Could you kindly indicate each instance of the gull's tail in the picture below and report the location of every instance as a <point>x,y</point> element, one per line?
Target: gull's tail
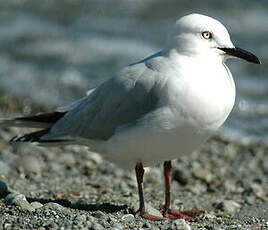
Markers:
<point>43,121</point>
<point>38,121</point>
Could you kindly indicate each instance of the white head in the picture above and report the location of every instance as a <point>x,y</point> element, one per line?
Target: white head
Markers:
<point>197,34</point>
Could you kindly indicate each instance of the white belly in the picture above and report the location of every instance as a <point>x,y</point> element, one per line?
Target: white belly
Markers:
<point>152,144</point>
<point>194,109</point>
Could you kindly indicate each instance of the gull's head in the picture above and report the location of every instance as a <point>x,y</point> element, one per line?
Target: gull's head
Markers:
<point>197,34</point>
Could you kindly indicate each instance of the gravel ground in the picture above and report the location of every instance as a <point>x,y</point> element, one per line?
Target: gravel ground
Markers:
<point>72,188</point>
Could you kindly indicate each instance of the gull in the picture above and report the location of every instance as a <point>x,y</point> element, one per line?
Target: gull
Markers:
<point>154,110</point>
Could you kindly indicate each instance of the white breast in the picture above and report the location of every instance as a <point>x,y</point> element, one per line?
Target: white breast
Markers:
<point>204,94</point>
<point>192,108</point>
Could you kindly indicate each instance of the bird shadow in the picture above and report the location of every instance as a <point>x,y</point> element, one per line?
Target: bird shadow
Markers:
<point>104,207</point>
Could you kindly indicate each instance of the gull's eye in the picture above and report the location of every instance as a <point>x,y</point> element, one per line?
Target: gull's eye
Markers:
<point>206,34</point>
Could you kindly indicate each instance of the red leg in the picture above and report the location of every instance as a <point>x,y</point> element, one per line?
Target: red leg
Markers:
<point>167,212</point>
<point>167,174</point>
<point>139,175</point>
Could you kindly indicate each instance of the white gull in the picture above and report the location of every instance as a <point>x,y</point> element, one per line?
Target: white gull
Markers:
<point>154,110</point>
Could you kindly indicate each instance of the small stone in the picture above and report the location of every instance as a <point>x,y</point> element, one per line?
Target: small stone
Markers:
<point>198,188</point>
<point>258,190</point>
<point>147,225</point>
<point>180,224</point>
<point>13,198</point>
<point>29,164</point>
<point>52,205</point>
<point>55,166</point>
<point>91,219</point>
<point>67,158</point>
<point>36,205</point>
<point>149,209</point>
<point>3,189</point>
<point>100,215</point>
<point>46,222</point>
<point>117,226</point>
<point>19,200</point>
<point>25,205</point>
<point>209,216</point>
<point>53,226</point>
<point>89,225</point>
<point>204,175</point>
<point>96,157</point>
<point>229,206</point>
<point>230,186</point>
<point>128,217</point>
<point>250,200</point>
<point>97,226</point>
<point>4,168</point>
<point>218,227</point>
<point>7,226</point>
<point>80,219</point>
<point>41,228</point>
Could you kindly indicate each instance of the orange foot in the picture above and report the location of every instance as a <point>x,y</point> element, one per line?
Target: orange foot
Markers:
<point>152,217</point>
<point>188,215</point>
<point>148,216</point>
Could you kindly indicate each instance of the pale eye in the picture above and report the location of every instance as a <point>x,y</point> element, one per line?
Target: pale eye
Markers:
<point>206,34</point>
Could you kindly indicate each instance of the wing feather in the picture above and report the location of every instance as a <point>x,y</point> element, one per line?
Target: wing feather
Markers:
<point>121,100</point>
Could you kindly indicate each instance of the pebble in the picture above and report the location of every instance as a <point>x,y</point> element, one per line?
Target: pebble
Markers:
<point>217,227</point>
<point>97,226</point>
<point>80,219</point>
<point>89,225</point>
<point>96,157</point>
<point>117,226</point>
<point>55,166</point>
<point>128,217</point>
<point>148,209</point>
<point>100,215</point>
<point>147,225</point>
<point>46,223</point>
<point>230,186</point>
<point>12,198</point>
<point>250,200</point>
<point>25,205</point>
<point>52,205</point>
<point>53,226</point>
<point>36,205</point>
<point>180,224</point>
<point>19,200</point>
<point>204,175</point>
<point>3,189</point>
<point>4,168</point>
<point>67,158</point>
<point>29,164</point>
<point>209,216</point>
<point>258,190</point>
<point>91,219</point>
<point>41,228</point>
<point>229,206</point>
<point>153,211</point>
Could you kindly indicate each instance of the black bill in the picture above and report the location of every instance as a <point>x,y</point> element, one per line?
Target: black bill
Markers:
<point>240,53</point>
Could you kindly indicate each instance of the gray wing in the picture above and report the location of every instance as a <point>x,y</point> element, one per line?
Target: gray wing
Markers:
<point>123,99</point>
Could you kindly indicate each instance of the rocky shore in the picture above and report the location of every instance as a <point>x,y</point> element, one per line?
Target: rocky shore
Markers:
<point>72,188</point>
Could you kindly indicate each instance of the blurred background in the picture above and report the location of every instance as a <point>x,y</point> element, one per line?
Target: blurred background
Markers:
<point>51,52</point>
